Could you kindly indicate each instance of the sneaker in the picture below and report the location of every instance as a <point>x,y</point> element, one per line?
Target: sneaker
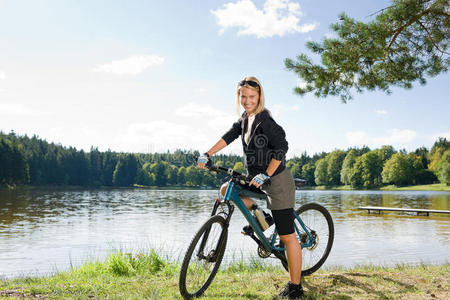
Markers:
<point>290,291</point>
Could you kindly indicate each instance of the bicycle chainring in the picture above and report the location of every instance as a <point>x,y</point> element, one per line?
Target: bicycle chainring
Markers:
<point>262,251</point>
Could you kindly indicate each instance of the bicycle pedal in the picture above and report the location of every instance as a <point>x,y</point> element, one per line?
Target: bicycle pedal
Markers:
<point>247,230</point>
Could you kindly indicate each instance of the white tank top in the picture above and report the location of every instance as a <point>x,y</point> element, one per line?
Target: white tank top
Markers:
<point>251,118</point>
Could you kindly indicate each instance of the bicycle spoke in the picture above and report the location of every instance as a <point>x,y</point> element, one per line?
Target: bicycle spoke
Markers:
<point>319,224</point>
<point>203,257</point>
<point>200,268</point>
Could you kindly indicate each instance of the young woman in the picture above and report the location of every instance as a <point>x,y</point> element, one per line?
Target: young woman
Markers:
<point>265,148</point>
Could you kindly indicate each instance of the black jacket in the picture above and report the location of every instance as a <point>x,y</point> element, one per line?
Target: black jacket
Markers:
<point>267,141</point>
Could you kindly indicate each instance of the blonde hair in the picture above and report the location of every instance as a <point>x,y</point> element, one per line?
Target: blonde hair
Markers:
<point>259,89</point>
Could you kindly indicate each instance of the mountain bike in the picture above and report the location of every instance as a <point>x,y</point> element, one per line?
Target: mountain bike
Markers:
<point>313,225</point>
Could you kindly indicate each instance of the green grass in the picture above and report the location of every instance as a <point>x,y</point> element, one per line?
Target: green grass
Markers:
<point>425,187</point>
<point>148,276</point>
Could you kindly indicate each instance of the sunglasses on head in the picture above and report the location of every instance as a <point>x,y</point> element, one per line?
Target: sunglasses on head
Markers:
<point>249,82</point>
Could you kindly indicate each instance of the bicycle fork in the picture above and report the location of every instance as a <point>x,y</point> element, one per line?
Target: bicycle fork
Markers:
<point>211,257</point>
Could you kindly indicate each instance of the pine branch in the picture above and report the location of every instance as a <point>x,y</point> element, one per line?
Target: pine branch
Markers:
<point>411,21</point>
<point>380,11</point>
<point>431,39</point>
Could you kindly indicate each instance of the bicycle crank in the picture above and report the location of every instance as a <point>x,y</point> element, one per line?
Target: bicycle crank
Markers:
<point>262,251</point>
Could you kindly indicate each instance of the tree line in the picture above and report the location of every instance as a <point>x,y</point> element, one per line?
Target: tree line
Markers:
<point>363,167</point>
<point>34,161</point>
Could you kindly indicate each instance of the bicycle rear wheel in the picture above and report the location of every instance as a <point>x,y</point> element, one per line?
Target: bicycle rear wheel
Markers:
<point>320,224</point>
<point>203,257</point>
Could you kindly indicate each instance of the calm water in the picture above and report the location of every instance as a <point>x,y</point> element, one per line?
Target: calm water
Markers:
<point>46,230</point>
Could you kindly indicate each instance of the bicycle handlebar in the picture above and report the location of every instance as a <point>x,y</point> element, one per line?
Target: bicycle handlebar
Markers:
<point>229,171</point>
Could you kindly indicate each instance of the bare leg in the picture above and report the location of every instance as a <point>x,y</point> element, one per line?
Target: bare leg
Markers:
<point>294,256</point>
<point>247,200</point>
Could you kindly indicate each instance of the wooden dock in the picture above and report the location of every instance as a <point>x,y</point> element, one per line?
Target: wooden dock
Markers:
<point>425,212</point>
<point>299,182</point>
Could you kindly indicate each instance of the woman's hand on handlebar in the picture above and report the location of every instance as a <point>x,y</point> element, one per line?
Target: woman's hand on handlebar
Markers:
<point>203,160</point>
<point>259,180</point>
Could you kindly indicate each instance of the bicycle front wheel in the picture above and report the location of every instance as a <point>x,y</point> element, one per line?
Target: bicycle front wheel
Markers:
<point>203,257</point>
<point>318,221</point>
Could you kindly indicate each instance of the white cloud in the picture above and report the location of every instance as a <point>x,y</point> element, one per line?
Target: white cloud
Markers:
<point>18,109</point>
<point>158,136</point>
<point>2,90</point>
<point>2,75</point>
<point>277,109</point>
<point>436,136</point>
<point>211,123</point>
<point>278,17</point>
<point>357,138</point>
<point>135,64</point>
<point>381,112</point>
<point>295,107</point>
<point>214,118</point>
<point>200,91</point>
<point>301,83</point>
<point>193,109</point>
<point>308,27</point>
<point>394,137</point>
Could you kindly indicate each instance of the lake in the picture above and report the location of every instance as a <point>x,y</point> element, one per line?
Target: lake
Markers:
<point>43,231</point>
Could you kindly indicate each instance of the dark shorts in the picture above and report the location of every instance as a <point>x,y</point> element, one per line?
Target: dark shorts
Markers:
<point>284,220</point>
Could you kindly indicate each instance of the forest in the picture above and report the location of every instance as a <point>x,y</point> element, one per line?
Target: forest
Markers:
<point>36,162</point>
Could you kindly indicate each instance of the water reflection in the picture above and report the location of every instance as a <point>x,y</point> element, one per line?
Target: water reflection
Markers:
<point>44,230</point>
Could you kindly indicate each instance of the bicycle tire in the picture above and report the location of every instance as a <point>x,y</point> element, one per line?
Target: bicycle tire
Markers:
<point>214,228</point>
<point>314,257</point>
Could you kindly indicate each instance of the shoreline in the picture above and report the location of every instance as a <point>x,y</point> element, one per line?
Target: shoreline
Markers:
<point>437,187</point>
<point>76,187</point>
<point>428,187</point>
<point>148,276</point>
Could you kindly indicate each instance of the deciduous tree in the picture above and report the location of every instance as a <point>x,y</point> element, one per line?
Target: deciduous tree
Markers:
<point>335,160</point>
<point>347,166</point>
<point>320,174</point>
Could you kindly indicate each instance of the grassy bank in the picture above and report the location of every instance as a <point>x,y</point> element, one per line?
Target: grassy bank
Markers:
<point>150,277</point>
<point>426,187</point>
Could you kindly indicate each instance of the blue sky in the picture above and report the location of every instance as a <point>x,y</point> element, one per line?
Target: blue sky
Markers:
<point>147,76</point>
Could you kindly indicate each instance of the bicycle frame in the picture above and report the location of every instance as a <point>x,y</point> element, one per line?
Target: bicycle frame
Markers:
<point>232,193</point>
<point>207,253</point>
